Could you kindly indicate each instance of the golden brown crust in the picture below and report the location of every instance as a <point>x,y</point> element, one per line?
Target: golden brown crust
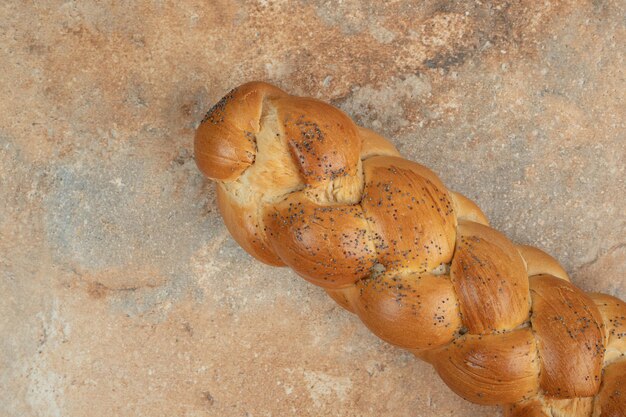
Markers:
<point>567,325</point>
<point>538,262</point>
<point>531,408</point>
<point>613,312</point>
<point>541,406</point>
<point>224,142</point>
<point>328,245</point>
<point>611,400</point>
<point>410,214</point>
<point>490,279</point>
<point>243,223</point>
<point>375,145</point>
<point>273,173</point>
<point>323,141</point>
<point>300,184</point>
<point>410,311</point>
<point>466,209</point>
<point>491,369</point>
<point>343,296</point>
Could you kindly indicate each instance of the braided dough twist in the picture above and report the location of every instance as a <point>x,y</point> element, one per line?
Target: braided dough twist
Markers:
<point>299,184</point>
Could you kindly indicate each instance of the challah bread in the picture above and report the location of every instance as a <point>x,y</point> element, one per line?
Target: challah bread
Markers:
<point>299,184</point>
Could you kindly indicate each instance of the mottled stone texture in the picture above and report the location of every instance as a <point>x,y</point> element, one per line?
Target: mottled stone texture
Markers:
<point>121,292</point>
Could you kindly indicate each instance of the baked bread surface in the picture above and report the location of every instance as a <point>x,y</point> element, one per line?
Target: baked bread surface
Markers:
<point>299,184</point>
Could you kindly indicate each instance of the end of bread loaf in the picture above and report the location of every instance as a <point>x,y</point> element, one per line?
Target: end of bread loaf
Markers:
<point>225,142</point>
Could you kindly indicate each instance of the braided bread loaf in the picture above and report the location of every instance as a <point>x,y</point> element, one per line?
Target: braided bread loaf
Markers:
<point>299,184</point>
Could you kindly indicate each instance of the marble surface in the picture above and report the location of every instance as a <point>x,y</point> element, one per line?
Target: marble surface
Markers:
<point>121,292</point>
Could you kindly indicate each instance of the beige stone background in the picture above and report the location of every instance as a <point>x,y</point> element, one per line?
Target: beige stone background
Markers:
<point>121,292</point>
